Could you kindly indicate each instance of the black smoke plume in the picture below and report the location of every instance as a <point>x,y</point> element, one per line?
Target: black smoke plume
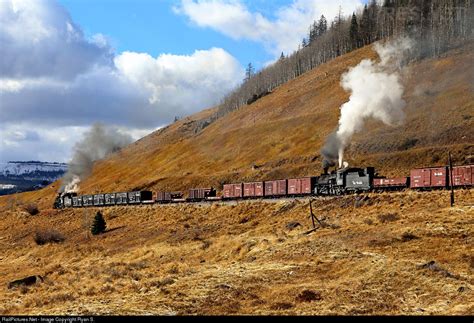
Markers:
<point>96,144</point>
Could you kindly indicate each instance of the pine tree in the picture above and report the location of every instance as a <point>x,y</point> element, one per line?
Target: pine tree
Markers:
<point>99,224</point>
<point>364,27</point>
<point>322,25</point>
<point>313,32</point>
<point>249,71</point>
<point>354,32</point>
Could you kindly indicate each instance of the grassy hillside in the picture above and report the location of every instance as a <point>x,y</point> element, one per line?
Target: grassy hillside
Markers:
<point>389,253</point>
<point>372,257</point>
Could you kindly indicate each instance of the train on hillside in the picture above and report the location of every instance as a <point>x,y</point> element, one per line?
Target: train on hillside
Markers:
<point>342,181</point>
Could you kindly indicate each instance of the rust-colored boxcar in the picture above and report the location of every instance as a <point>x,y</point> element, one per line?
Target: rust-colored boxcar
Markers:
<point>196,194</point>
<point>433,177</point>
<point>276,188</point>
<point>233,191</point>
<point>463,175</point>
<point>164,197</point>
<point>301,186</point>
<point>254,189</point>
<point>399,182</point>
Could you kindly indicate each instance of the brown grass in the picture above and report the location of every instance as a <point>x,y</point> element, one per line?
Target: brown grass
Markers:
<point>242,258</point>
<point>153,266</point>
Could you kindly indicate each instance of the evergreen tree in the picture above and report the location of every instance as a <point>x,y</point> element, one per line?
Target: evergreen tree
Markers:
<point>354,32</point>
<point>322,25</point>
<point>249,71</point>
<point>364,28</point>
<point>313,32</point>
<point>99,224</point>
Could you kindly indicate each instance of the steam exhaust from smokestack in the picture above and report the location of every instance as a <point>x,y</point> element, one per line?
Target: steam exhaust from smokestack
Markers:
<point>96,144</point>
<point>376,92</point>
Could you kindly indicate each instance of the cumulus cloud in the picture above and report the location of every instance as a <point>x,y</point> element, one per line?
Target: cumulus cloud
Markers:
<point>51,75</point>
<point>281,34</point>
<point>39,39</point>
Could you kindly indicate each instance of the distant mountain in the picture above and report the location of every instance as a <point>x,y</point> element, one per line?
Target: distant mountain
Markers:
<point>21,176</point>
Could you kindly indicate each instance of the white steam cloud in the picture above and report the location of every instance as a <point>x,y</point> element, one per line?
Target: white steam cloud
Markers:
<point>376,92</point>
<point>96,144</point>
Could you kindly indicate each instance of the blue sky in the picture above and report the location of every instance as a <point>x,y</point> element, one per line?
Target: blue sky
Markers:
<point>152,27</point>
<point>134,65</point>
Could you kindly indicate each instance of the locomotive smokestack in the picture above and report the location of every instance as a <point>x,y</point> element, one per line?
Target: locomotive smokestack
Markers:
<point>97,143</point>
<point>376,92</point>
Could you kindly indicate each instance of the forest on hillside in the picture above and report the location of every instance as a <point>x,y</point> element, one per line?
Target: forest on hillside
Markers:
<point>435,25</point>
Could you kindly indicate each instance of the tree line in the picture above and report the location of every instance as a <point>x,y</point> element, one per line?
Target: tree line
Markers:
<point>436,25</point>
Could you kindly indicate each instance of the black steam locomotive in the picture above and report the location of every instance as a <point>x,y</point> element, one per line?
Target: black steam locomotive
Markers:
<point>346,180</point>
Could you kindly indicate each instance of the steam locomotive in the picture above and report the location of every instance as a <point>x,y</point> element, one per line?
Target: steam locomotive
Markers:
<point>341,181</point>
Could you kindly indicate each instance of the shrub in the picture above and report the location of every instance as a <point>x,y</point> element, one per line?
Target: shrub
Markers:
<point>408,236</point>
<point>388,217</point>
<point>45,236</point>
<point>31,208</point>
<point>99,225</point>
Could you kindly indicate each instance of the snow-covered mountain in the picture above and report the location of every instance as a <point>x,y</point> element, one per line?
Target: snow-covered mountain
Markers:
<point>32,168</point>
<point>19,176</point>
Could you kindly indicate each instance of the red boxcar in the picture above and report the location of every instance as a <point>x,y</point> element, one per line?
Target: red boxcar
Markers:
<point>233,190</point>
<point>275,188</point>
<point>429,177</point>
<point>463,175</point>
<point>201,193</point>
<point>254,189</point>
<point>399,182</point>
<point>301,186</point>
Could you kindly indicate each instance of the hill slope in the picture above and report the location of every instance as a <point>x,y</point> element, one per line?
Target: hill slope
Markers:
<point>389,253</point>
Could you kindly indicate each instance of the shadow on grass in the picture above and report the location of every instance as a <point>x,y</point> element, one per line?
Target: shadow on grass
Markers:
<point>113,229</point>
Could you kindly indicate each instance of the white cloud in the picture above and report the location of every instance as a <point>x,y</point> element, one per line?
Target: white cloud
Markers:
<point>51,76</point>
<point>284,33</point>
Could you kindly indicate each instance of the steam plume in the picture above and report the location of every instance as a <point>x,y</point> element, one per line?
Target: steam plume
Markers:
<point>97,143</point>
<point>376,92</point>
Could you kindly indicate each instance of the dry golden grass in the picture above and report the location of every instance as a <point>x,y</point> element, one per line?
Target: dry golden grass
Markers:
<point>245,258</point>
<point>203,259</point>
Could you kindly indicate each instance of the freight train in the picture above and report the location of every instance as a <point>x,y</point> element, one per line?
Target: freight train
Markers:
<point>342,181</point>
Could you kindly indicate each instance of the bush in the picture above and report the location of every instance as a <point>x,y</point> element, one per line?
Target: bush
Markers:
<point>99,224</point>
<point>44,236</point>
<point>388,217</point>
<point>31,208</point>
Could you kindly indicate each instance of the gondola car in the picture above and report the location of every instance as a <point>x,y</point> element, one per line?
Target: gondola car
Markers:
<point>121,198</point>
<point>99,199</point>
<point>88,200</point>
<point>109,199</point>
